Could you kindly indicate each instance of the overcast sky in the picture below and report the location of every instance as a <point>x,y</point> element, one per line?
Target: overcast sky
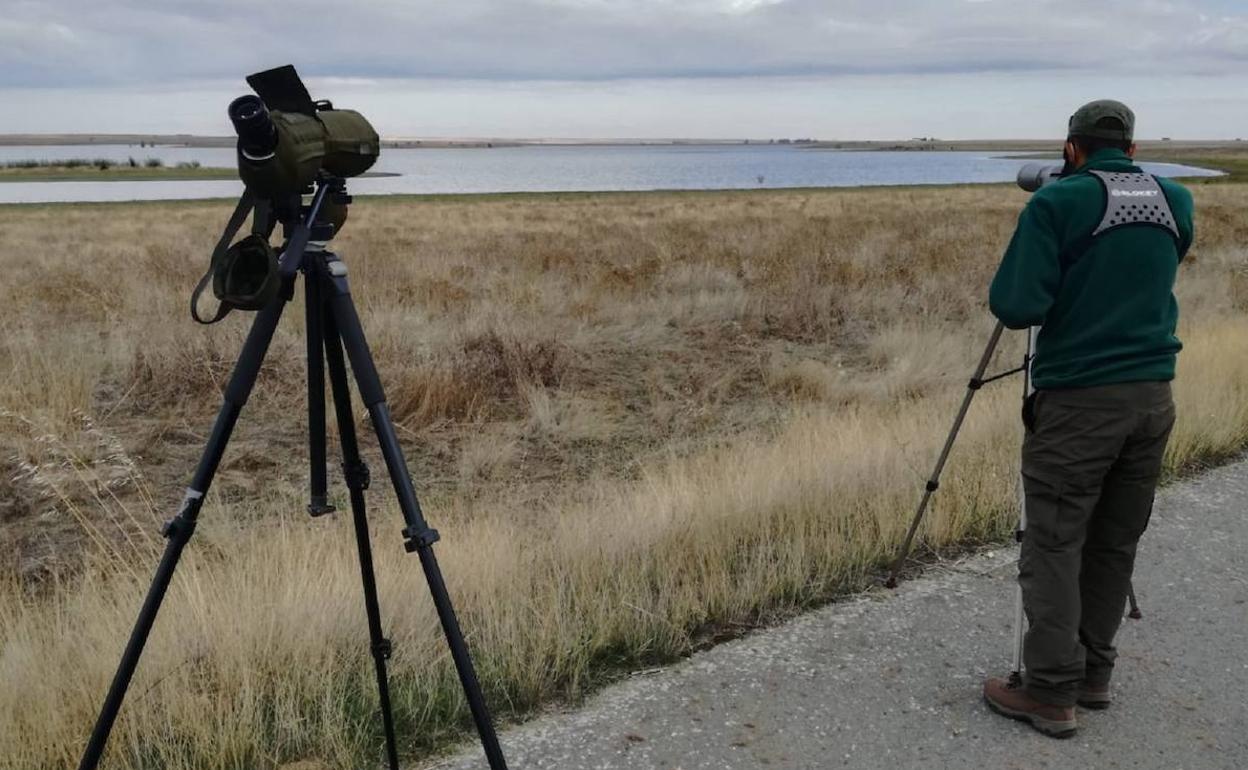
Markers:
<point>635,68</point>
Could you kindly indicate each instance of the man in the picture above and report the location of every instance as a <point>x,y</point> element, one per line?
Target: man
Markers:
<point>1093,263</point>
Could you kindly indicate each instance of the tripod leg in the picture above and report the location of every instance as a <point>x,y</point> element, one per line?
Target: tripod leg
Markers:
<point>1016,675</point>
<point>933,482</point>
<point>418,535</point>
<point>1016,669</point>
<point>357,476</point>
<point>1135,613</point>
<point>319,500</point>
<point>178,530</point>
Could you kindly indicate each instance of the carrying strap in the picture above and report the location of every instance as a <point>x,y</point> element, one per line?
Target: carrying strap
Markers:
<point>246,203</point>
<point>1134,198</point>
<point>1131,198</point>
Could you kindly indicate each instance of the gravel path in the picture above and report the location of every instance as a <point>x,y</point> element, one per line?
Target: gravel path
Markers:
<point>892,680</point>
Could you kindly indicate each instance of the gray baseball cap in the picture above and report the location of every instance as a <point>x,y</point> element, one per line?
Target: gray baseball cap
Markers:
<point>1091,120</point>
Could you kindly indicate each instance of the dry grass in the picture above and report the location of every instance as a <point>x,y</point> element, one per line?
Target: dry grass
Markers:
<point>640,421</point>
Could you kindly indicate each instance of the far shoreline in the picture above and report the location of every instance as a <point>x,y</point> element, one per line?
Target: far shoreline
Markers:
<point>921,144</point>
<point>394,142</point>
<point>140,174</point>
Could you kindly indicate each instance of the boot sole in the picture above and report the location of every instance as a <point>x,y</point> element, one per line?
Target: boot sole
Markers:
<point>1048,727</point>
<point>1094,705</point>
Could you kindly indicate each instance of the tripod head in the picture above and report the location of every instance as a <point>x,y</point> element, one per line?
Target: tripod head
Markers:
<point>329,218</point>
<point>248,275</point>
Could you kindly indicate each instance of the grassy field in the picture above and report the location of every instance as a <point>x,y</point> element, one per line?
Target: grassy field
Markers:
<point>104,170</point>
<point>641,422</point>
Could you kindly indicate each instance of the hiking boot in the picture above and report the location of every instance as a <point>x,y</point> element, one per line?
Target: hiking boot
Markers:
<point>1011,700</point>
<point>1094,696</point>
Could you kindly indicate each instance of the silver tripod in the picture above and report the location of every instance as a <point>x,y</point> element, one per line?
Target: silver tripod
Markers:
<point>1029,387</point>
<point>978,380</point>
<point>1016,672</point>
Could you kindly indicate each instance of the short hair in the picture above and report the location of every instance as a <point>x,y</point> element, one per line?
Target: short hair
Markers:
<point>1093,144</point>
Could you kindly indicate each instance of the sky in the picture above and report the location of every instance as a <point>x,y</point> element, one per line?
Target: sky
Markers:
<point>827,69</point>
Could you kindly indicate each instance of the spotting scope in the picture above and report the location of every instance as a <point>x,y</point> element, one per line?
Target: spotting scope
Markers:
<point>285,138</point>
<point>1033,176</point>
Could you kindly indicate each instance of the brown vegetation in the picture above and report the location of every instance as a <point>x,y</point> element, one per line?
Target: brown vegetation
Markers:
<point>638,420</point>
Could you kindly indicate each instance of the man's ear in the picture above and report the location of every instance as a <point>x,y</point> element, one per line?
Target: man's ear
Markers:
<point>1071,154</point>
<point>1131,150</point>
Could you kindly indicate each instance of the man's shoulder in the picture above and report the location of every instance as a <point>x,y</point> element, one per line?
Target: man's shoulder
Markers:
<point>1082,188</point>
<point>1074,191</point>
<point>1176,192</point>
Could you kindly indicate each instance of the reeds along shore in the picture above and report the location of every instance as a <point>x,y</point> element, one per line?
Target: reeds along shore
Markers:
<point>641,422</point>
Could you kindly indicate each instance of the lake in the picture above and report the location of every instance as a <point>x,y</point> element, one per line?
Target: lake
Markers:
<point>554,168</point>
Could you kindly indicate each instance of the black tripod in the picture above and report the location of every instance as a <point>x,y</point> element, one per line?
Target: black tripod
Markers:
<point>333,327</point>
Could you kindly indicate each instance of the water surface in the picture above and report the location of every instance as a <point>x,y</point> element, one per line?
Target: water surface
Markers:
<point>554,168</point>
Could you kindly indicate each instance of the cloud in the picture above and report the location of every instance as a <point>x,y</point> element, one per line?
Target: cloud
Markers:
<point>83,43</point>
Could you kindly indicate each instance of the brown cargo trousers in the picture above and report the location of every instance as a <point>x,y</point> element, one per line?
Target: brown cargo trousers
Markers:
<point>1091,460</point>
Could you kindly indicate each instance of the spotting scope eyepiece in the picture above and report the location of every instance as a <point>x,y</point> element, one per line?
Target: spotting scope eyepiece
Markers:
<point>257,137</point>
<point>1033,176</point>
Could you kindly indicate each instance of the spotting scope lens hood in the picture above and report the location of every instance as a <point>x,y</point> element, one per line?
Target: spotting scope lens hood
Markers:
<point>257,136</point>
<point>1033,176</point>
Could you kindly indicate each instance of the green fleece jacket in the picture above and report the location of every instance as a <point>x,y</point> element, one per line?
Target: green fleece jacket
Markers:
<point>1106,305</point>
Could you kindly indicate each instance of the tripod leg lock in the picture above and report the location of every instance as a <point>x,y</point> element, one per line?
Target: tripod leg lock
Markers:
<point>182,525</point>
<point>419,538</point>
<point>383,649</point>
<point>357,475</point>
<point>932,485</point>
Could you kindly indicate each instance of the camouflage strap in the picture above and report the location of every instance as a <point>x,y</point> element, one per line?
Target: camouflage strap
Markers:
<point>246,203</point>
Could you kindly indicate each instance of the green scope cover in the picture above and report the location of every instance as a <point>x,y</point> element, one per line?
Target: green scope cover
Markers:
<point>351,143</point>
<point>340,141</point>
